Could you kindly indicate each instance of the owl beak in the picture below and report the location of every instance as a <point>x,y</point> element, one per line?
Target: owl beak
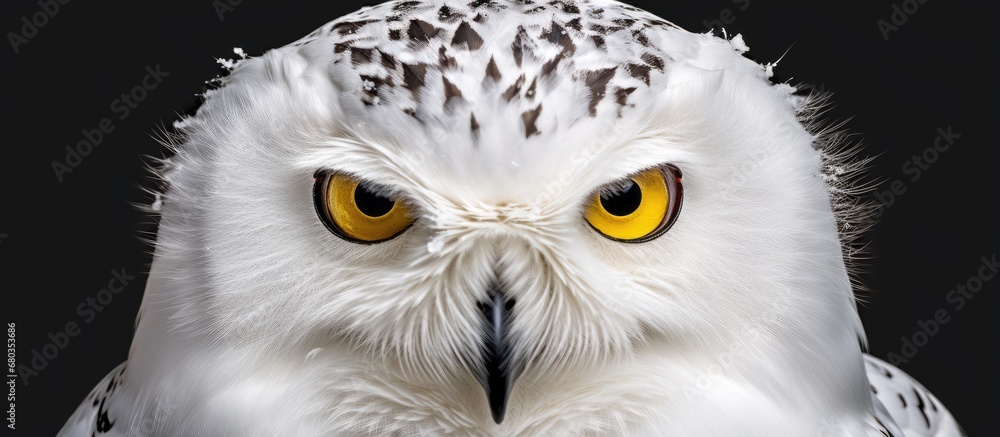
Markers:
<point>499,377</point>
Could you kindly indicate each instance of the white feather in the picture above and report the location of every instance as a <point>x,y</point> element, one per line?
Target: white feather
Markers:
<point>258,321</point>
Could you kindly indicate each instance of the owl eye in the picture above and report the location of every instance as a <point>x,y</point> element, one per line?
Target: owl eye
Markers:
<point>357,211</point>
<point>638,209</point>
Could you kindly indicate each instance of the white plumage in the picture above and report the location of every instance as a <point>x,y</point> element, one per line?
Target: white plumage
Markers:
<point>914,409</point>
<point>496,124</point>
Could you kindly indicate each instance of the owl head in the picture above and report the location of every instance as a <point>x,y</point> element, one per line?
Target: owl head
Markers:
<point>514,196</point>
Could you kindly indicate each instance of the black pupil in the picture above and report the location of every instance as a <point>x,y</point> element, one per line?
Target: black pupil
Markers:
<point>624,202</point>
<point>370,203</point>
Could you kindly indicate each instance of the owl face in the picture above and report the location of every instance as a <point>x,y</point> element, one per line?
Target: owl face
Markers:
<point>463,195</point>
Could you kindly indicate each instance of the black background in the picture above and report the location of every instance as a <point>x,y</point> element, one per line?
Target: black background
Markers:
<point>61,240</point>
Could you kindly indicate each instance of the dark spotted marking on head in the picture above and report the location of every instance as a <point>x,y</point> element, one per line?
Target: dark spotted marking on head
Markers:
<point>570,8</point>
<point>370,86</point>
<point>597,82</point>
<point>413,78</point>
<point>445,61</point>
<point>492,71</point>
<point>654,61</point>
<point>350,27</point>
<point>406,6</point>
<point>474,125</point>
<point>575,24</point>
<point>517,49</point>
<point>466,36</point>
<point>550,66</point>
<point>902,399</point>
<point>622,94</point>
<point>641,37</point>
<point>448,15</point>
<point>451,91</point>
<point>521,45</point>
<point>388,61</point>
<point>640,72</point>
<point>421,31</point>
<point>492,5</point>
<point>530,118</point>
<point>558,36</point>
<point>624,22</point>
<point>361,56</point>
<point>547,44</point>
<point>603,30</point>
<point>598,41</point>
<point>514,90</point>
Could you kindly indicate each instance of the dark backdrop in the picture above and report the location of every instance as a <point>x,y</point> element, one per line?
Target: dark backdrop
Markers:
<point>62,241</point>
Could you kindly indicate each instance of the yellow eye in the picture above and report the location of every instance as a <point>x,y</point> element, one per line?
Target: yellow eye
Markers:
<point>356,211</point>
<point>638,209</point>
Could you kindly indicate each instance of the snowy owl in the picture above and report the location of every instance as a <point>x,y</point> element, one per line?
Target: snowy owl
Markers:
<point>504,218</point>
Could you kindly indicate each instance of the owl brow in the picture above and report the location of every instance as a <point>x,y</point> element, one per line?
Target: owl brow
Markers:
<point>621,184</point>
<point>381,189</point>
<point>615,187</point>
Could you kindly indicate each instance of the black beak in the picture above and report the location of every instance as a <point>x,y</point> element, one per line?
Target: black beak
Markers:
<point>499,376</point>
